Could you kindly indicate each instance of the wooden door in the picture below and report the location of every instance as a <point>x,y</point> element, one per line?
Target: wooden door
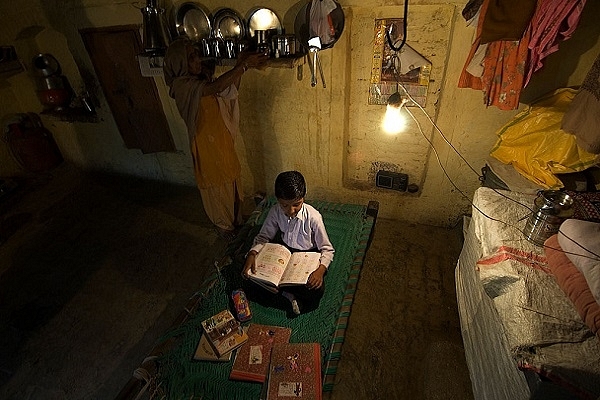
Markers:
<point>132,98</point>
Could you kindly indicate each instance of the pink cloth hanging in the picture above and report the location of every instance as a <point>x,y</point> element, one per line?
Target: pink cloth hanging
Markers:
<point>553,21</point>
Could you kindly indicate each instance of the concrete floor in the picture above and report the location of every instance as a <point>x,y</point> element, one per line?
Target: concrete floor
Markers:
<point>95,268</point>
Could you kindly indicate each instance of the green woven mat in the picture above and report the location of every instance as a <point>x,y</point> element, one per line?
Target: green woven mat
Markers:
<point>180,377</point>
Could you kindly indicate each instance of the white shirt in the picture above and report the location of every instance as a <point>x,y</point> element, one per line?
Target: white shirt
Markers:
<point>305,231</point>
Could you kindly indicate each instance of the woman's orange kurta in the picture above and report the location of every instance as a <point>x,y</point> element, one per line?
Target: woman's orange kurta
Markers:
<point>213,150</point>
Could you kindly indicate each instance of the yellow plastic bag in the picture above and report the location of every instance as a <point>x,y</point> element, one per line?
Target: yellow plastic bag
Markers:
<point>536,146</point>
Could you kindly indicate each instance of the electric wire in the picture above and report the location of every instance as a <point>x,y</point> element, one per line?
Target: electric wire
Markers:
<point>480,177</point>
<point>404,29</point>
<point>435,152</point>
<point>437,129</point>
<point>597,257</point>
<point>398,83</point>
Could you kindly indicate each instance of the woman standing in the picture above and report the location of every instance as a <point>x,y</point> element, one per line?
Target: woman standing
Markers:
<point>209,106</point>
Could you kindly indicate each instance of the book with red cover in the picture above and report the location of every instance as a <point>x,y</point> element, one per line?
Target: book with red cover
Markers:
<point>295,371</point>
<point>252,359</point>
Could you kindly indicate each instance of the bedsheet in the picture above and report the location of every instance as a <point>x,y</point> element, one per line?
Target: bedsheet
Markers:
<point>520,305</point>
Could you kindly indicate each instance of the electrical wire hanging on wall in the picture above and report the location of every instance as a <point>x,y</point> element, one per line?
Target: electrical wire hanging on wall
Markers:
<point>404,30</point>
<point>402,101</point>
<point>480,177</point>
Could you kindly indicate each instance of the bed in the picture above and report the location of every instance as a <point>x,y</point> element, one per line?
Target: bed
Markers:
<point>525,333</point>
<point>170,371</point>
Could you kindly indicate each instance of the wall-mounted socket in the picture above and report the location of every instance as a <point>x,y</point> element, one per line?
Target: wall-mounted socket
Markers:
<point>391,180</point>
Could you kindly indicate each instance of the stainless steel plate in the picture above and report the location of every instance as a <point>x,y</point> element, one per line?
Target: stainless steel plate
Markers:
<point>263,19</point>
<point>192,20</point>
<point>227,24</point>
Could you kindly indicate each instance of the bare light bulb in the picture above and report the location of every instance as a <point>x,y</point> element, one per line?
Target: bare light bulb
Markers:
<point>394,121</point>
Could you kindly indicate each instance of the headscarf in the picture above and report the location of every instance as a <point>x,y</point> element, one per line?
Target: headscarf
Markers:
<point>187,89</point>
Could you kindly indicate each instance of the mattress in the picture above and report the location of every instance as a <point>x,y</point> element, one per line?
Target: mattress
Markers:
<point>521,333</point>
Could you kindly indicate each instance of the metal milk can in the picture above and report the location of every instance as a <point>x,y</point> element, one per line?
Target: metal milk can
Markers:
<point>552,207</point>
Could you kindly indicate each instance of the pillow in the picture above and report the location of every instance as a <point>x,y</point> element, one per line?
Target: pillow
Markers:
<point>573,283</point>
<point>581,242</point>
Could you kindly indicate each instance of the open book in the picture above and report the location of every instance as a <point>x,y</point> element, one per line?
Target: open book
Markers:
<point>276,266</point>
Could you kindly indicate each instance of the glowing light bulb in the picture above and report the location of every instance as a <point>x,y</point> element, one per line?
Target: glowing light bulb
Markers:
<point>394,121</point>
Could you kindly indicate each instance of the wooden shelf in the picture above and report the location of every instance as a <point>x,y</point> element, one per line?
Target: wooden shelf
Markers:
<point>281,62</point>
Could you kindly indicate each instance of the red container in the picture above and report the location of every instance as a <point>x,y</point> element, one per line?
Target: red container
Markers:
<point>54,98</point>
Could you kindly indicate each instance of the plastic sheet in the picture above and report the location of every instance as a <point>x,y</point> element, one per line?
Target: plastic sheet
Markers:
<point>537,147</point>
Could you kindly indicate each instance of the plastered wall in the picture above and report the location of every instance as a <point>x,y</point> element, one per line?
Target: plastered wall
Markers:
<point>330,134</point>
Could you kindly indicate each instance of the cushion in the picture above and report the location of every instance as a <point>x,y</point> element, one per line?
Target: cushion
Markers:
<point>581,242</point>
<point>573,283</point>
<point>586,205</point>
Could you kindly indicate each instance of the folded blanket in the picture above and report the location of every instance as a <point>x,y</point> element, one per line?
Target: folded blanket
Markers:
<point>581,242</point>
<point>573,283</point>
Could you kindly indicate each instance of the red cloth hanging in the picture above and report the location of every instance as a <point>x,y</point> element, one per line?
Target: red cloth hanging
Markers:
<point>503,69</point>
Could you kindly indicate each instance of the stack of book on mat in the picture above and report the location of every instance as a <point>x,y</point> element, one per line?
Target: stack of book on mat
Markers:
<point>263,355</point>
<point>222,334</point>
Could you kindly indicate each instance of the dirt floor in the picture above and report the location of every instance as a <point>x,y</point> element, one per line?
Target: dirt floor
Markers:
<point>95,268</point>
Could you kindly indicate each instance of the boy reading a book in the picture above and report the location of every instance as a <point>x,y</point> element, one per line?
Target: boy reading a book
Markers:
<point>298,226</point>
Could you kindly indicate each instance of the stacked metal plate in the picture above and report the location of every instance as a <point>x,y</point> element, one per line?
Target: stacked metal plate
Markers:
<point>228,24</point>
<point>263,19</point>
<point>193,21</point>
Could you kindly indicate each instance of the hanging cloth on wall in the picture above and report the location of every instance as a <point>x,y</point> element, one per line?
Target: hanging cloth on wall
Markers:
<point>504,67</point>
<point>501,78</point>
<point>553,22</point>
<point>506,19</point>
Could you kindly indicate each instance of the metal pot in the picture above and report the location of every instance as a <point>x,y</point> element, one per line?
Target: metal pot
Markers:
<point>303,23</point>
<point>552,207</point>
<point>217,47</point>
<point>207,50</point>
<point>155,35</point>
<point>260,37</point>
